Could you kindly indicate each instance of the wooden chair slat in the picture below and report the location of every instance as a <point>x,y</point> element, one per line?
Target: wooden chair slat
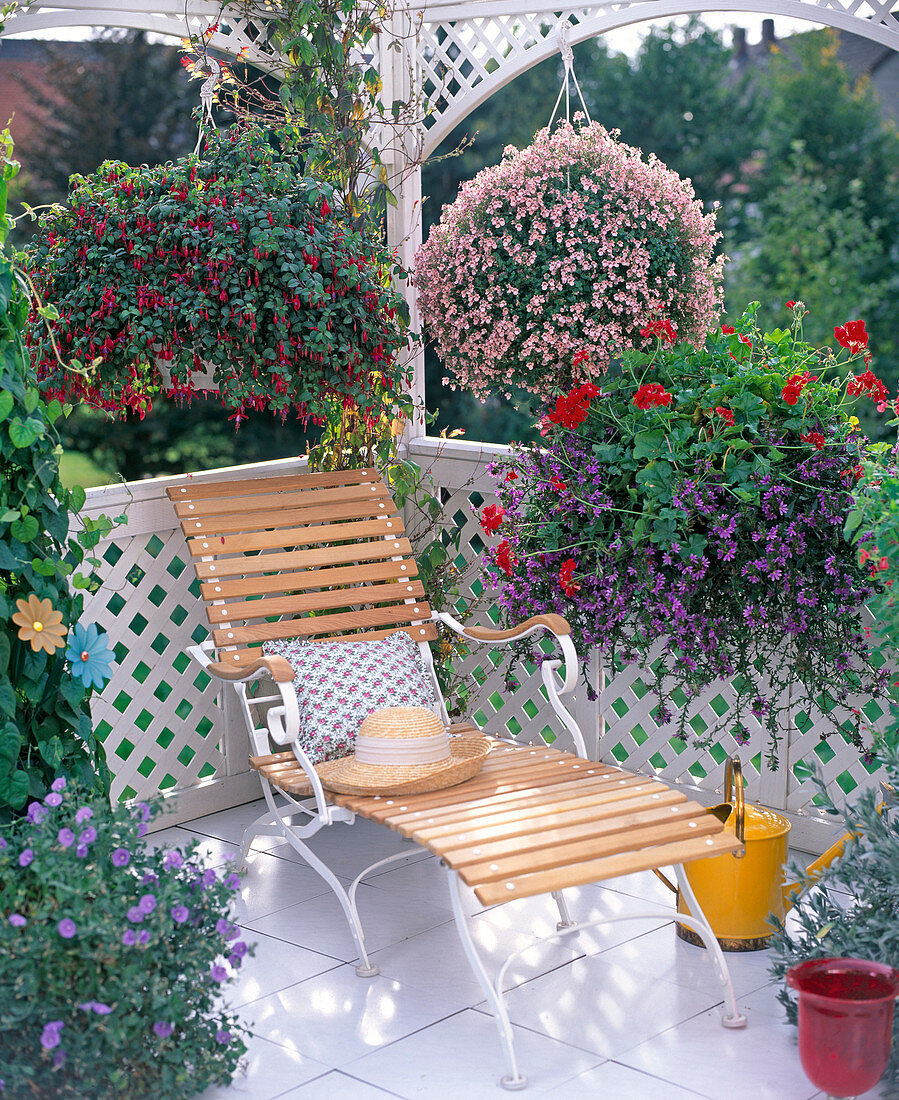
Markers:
<point>281,538</point>
<point>206,490</point>
<point>597,870</point>
<point>621,833</point>
<point>516,823</point>
<point>309,580</point>
<point>366,508</point>
<point>322,624</point>
<point>246,610</point>
<point>267,503</point>
<point>304,559</point>
<point>427,632</point>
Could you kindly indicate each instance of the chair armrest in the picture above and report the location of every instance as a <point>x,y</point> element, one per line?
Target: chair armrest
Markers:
<point>555,624</point>
<point>277,667</point>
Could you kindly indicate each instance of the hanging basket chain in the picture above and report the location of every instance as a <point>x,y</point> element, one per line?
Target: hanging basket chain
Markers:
<point>570,75</point>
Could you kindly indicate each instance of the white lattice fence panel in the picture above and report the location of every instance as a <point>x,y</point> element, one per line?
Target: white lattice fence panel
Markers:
<point>161,717</point>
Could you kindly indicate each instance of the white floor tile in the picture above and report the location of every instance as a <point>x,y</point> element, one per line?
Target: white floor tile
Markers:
<point>616,1082</point>
<point>349,849</point>
<point>320,924</point>
<point>337,1017</point>
<point>603,1007</point>
<point>462,1057</point>
<point>759,1062</point>
<point>273,965</point>
<point>271,884</point>
<point>268,1071</point>
<point>338,1086</point>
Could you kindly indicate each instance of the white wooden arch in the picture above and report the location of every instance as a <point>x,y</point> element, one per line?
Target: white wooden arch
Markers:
<point>454,55</point>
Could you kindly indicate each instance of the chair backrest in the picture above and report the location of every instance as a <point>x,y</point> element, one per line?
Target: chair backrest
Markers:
<point>315,556</point>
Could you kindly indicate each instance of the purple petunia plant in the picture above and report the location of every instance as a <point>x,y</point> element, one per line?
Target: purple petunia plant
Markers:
<point>688,516</point>
<point>550,264</point>
<point>115,960</point>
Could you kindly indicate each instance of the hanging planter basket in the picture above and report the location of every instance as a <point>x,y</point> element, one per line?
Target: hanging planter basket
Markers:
<point>225,270</point>
<point>564,254</point>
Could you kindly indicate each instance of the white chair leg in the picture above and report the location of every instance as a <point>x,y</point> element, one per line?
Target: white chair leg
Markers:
<point>264,825</point>
<point>514,1079</point>
<point>565,920</point>
<point>700,925</point>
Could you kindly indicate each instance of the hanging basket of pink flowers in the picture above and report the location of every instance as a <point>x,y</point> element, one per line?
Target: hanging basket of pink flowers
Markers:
<point>550,264</point>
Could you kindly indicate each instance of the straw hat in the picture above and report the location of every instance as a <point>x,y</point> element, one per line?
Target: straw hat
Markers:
<point>404,750</point>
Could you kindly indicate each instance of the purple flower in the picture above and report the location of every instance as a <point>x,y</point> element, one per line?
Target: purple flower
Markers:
<point>53,799</point>
<point>3,844</point>
<point>59,1058</point>
<point>218,973</point>
<point>36,813</point>
<point>222,1036</point>
<point>143,936</point>
<point>66,928</point>
<point>162,1029</point>
<point>180,913</point>
<point>58,784</point>
<point>148,878</point>
<point>146,903</point>
<point>143,810</point>
<point>173,859</point>
<point>88,835</point>
<point>223,927</point>
<point>235,960</point>
<point>239,949</point>
<point>129,937</point>
<point>135,914</point>
<point>142,829</point>
<point>95,1006</point>
<point>120,857</point>
<point>66,837</point>
<point>26,857</point>
<point>232,882</point>
<point>50,1034</point>
<point>209,877</point>
<point>17,920</point>
<point>84,814</point>
<point>81,850</point>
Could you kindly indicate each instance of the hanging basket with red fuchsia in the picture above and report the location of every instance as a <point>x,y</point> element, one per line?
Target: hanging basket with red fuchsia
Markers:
<point>229,261</point>
<point>553,262</point>
<point>700,499</point>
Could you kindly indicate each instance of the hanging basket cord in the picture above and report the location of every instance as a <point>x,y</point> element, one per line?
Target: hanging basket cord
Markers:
<point>570,75</point>
<point>207,95</point>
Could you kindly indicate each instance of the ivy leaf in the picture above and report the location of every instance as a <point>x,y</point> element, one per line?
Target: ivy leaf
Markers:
<point>7,403</point>
<point>25,529</point>
<point>25,432</point>
<point>14,789</point>
<point>7,696</point>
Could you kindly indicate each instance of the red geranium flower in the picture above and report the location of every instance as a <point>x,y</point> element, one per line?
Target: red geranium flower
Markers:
<point>580,357</point>
<point>792,390</point>
<point>790,304</point>
<point>651,394</point>
<point>726,415</point>
<point>511,476</point>
<point>867,382</point>
<point>728,330</point>
<point>492,518</point>
<point>663,329</point>
<point>505,557</point>
<point>745,340</point>
<point>558,484</point>
<point>815,438</point>
<point>852,335</point>
<point>566,574</point>
<point>571,409</point>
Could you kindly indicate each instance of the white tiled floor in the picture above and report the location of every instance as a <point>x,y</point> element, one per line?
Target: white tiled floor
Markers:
<point>623,1012</point>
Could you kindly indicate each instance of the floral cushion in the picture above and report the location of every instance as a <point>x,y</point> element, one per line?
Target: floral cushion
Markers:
<point>338,684</point>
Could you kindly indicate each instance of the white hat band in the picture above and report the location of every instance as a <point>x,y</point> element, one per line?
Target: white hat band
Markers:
<point>402,750</point>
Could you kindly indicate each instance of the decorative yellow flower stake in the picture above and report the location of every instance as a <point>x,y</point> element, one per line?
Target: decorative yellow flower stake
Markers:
<point>40,624</point>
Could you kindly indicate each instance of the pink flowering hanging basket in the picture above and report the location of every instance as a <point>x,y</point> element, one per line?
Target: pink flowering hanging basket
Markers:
<point>563,254</point>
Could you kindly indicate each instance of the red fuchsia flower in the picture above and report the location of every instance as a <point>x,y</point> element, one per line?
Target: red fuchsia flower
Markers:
<point>726,415</point>
<point>728,330</point>
<point>558,484</point>
<point>566,574</point>
<point>793,389</point>
<point>651,394</point>
<point>852,335</point>
<point>663,329</point>
<point>505,557</point>
<point>815,438</point>
<point>492,518</point>
<point>867,382</point>
<point>326,210</point>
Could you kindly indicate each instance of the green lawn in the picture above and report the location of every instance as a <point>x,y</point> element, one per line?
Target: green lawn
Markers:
<point>77,469</point>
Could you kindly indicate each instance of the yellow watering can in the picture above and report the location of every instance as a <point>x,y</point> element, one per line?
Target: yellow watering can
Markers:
<point>738,892</point>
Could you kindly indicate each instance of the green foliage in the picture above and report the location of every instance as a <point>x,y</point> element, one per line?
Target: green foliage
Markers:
<point>230,258</point>
<point>112,958</point>
<point>853,909</point>
<point>45,725</point>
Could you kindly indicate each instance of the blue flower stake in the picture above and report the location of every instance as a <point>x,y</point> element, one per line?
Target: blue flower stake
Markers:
<point>89,655</point>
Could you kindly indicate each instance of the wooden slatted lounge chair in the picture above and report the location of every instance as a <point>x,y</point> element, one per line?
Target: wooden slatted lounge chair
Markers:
<point>325,557</point>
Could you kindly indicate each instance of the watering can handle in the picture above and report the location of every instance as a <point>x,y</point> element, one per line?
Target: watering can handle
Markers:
<point>733,785</point>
